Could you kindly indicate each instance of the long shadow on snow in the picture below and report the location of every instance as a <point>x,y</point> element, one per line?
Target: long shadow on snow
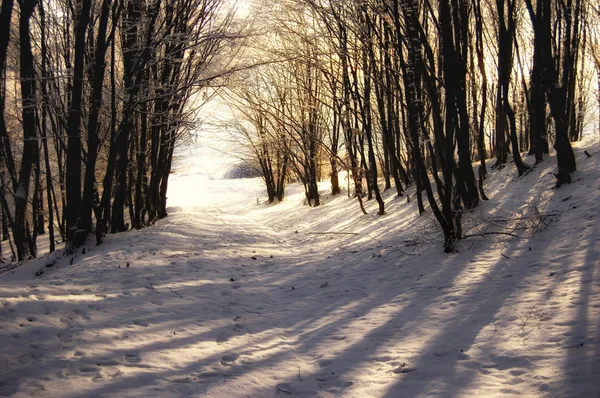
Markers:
<point>308,296</point>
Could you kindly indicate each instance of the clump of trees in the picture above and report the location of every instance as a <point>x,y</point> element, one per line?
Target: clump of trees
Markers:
<point>95,96</point>
<point>414,91</point>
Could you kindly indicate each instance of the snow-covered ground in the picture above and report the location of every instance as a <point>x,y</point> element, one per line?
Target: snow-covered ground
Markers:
<point>230,298</point>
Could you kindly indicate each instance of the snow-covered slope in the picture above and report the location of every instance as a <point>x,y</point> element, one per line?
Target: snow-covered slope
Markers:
<point>230,298</point>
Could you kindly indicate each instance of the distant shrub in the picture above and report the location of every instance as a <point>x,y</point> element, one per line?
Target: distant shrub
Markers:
<point>242,170</point>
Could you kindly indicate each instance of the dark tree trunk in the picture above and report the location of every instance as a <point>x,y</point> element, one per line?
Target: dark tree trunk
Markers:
<point>484,86</point>
<point>89,188</point>
<point>345,117</point>
<point>5,149</point>
<point>557,96</point>
<point>117,223</point>
<point>448,69</point>
<point>104,207</point>
<point>335,137</point>
<point>73,180</point>
<point>537,111</point>
<point>414,110</point>
<point>506,33</point>
<point>138,223</point>
<point>5,144</point>
<point>5,20</point>
<point>470,195</point>
<point>29,130</point>
<point>367,122</point>
<point>388,118</point>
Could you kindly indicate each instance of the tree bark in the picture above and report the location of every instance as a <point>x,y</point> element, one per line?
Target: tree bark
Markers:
<point>73,180</point>
<point>89,188</point>
<point>29,131</point>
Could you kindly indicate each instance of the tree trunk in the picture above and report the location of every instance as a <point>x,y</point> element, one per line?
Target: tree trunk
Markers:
<point>73,181</point>
<point>506,33</point>
<point>89,188</point>
<point>29,131</point>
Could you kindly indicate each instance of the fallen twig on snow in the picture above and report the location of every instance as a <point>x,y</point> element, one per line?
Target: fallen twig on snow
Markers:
<point>10,267</point>
<point>176,292</point>
<point>152,287</point>
<point>331,233</point>
<point>376,240</point>
<point>525,319</point>
<point>401,251</point>
<point>483,234</point>
<point>283,391</point>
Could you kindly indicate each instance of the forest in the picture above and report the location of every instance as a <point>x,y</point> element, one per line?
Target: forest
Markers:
<point>412,92</point>
<point>313,198</point>
<point>96,96</point>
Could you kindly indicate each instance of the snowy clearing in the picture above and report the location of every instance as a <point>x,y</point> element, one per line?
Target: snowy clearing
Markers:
<point>227,298</point>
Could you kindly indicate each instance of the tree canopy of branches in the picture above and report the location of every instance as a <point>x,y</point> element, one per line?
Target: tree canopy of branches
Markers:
<point>413,92</point>
<point>96,95</point>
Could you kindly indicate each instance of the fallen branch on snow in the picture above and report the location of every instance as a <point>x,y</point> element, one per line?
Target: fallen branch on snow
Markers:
<point>401,251</point>
<point>152,287</point>
<point>283,391</point>
<point>332,233</point>
<point>483,234</point>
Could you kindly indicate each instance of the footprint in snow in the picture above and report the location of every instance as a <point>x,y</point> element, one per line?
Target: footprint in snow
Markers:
<point>326,377</point>
<point>88,369</point>
<point>133,357</point>
<point>8,388</point>
<point>108,362</point>
<point>142,323</point>
<point>222,337</point>
<point>181,380</point>
<point>403,369</point>
<point>65,336</point>
<point>69,355</point>
<point>229,359</point>
<point>106,374</point>
<point>238,327</point>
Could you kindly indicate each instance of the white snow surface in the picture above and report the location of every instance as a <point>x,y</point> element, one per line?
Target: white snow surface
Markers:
<point>227,298</point>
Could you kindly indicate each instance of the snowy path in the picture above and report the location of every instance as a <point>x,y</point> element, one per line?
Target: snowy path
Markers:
<point>228,300</point>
